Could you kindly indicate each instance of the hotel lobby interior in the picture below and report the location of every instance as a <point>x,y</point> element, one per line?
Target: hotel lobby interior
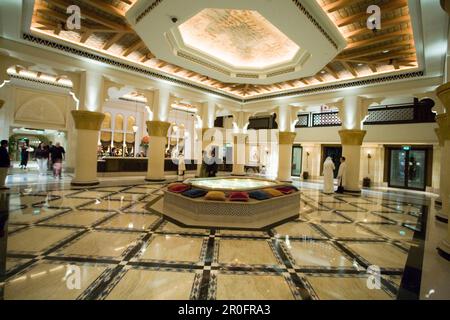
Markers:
<point>224,150</point>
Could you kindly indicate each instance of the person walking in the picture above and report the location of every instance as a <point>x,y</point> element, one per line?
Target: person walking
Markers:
<point>5,163</point>
<point>328,176</point>
<point>57,154</point>
<point>341,175</point>
<point>42,154</point>
<point>24,155</point>
<point>50,163</point>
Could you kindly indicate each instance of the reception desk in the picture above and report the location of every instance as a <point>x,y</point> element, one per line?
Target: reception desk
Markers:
<point>125,164</point>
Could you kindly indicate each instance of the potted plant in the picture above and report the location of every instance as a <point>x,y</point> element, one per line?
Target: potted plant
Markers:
<point>306,173</point>
<point>366,180</point>
<point>144,143</point>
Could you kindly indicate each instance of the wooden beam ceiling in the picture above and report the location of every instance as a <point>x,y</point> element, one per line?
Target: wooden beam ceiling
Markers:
<point>384,47</point>
<point>349,68</point>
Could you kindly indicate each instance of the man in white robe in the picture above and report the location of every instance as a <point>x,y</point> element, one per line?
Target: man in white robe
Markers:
<point>341,175</point>
<point>328,176</point>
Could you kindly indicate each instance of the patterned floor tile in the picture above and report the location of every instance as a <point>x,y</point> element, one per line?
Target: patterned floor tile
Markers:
<point>138,284</point>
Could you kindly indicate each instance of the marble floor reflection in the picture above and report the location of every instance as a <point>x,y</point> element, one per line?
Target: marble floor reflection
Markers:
<point>112,242</point>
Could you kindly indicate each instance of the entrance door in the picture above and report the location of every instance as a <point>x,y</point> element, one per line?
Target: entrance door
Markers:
<point>297,152</point>
<point>408,168</point>
<point>335,153</point>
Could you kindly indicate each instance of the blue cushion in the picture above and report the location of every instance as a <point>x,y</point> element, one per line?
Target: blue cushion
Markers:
<point>259,195</point>
<point>194,193</point>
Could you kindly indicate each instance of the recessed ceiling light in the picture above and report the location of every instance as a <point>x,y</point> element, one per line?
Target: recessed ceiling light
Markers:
<point>385,51</point>
<point>360,64</point>
<point>322,72</point>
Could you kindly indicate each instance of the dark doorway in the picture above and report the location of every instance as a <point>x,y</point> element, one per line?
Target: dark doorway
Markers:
<point>335,152</point>
<point>408,168</point>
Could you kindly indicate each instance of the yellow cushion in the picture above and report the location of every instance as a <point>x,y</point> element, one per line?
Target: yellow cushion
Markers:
<point>273,192</point>
<point>215,195</point>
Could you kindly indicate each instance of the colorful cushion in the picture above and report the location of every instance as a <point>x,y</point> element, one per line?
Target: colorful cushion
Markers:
<point>178,187</point>
<point>215,195</point>
<point>238,196</point>
<point>194,193</point>
<point>259,195</point>
<point>287,189</point>
<point>273,192</point>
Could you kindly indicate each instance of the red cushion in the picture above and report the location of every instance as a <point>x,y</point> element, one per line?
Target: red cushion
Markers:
<point>238,196</point>
<point>178,187</point>
<point>287,189</point>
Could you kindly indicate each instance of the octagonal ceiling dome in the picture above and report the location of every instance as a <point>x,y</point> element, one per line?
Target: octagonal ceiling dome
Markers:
<point>240,38</point>
<point>245,41</point>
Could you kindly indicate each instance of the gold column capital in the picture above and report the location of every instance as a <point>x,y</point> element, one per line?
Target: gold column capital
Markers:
<point>157,128</point>
<point>443,120</point>
<point>443,93</point>
<point>352,137</point>
<point>87,120</point>
<point>286,137</point>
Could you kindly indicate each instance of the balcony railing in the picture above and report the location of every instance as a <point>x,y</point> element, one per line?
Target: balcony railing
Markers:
<point>387,114</point>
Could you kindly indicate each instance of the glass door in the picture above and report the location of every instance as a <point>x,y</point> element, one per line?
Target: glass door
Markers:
<point>417,169</point>
<point>297,152</point>
<point>397,176</point>
<point>408,168</point>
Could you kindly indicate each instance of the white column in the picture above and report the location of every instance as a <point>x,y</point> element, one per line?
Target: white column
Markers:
<point>285,140</point>
<point>157,131</point>
<point>88,124</point>
<point>160,106</point>
<point>352,114</point>
<point>88,120</point>
<point>239,154</point>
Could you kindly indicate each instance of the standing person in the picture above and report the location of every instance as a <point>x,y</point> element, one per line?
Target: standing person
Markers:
<point>341,175</point>
<point>5,163</point>
<point>203,166</point>
<point>212,166</point>
<point>50,162</point>
<point>58,155</point>
<point>328,176</point>
<point>24,155</point>
<point>42,154</point>
<point>181,165</point>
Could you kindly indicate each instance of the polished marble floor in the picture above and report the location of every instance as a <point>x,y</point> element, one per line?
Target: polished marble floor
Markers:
<point>112,242</point>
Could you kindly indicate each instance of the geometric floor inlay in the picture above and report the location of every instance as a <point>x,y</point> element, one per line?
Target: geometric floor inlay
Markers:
<point>117,241</point>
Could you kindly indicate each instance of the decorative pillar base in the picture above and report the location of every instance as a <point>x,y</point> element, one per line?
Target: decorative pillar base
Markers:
<point>84,184</point>
<point>88,124</point>
<point>238,174</point>
<point>444,249</point>
<point>154,180</point>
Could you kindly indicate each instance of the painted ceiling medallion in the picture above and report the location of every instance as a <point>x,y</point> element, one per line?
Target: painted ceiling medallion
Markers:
<point>262,45</point>
<point>239,38</point>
